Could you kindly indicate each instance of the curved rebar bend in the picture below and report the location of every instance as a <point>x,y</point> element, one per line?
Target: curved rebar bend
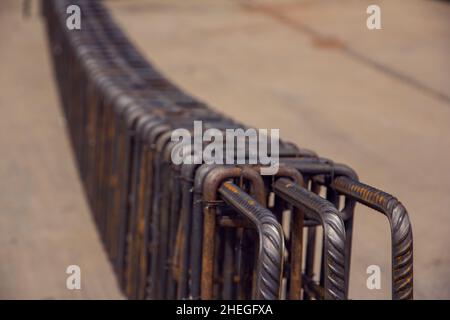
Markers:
<point>211,184</point>
<point>317,208</point>
<point>314,167</point>
<point>296,255</point>
<point>269,261</point>
<point>401,231</point>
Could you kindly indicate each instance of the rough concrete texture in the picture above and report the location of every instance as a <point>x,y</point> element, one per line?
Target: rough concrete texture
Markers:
<point>378,101</point>
<point>45,224</point>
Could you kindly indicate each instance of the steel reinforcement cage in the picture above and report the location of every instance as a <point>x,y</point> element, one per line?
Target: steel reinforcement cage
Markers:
<point>201,231</point>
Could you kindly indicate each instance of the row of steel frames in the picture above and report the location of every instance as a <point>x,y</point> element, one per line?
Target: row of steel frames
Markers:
<point>201,231</point>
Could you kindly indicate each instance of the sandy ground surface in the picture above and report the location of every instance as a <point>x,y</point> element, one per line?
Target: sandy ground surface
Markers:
<point>378,101</point>
<point>45,225</point>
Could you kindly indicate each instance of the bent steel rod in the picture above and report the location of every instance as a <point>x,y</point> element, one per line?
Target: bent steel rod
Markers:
<point>211,184</point>
<point>120,111</point>
<point>401,231</point>
<point>296,236</point>
<point>269,261</point>
<point>319,209</point>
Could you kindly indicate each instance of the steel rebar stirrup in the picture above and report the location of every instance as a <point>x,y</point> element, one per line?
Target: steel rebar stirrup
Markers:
<point>334,234</point>
<point>401,231</point>
<point>269,262</point>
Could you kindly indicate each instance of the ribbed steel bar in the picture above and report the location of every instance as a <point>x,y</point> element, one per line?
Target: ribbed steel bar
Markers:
<point>153,215</point>
<point>401,231</point>
<point>211,184</point>
<point>269,262</point>
<point>319,209</point>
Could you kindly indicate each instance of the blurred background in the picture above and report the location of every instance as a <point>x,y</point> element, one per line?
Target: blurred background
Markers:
<point>376,100</point>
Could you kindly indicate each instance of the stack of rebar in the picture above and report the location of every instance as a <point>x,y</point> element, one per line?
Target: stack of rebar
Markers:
<point>201,231</point>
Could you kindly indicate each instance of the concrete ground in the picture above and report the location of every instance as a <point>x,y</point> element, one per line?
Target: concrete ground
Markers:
<point>378,101</point>
<point>45,224</point>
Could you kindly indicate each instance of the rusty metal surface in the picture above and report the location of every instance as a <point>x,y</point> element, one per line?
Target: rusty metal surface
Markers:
<point>269,269</point>
<point>189,231</point>
<point>335,262</point>
<point>401,231</point>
